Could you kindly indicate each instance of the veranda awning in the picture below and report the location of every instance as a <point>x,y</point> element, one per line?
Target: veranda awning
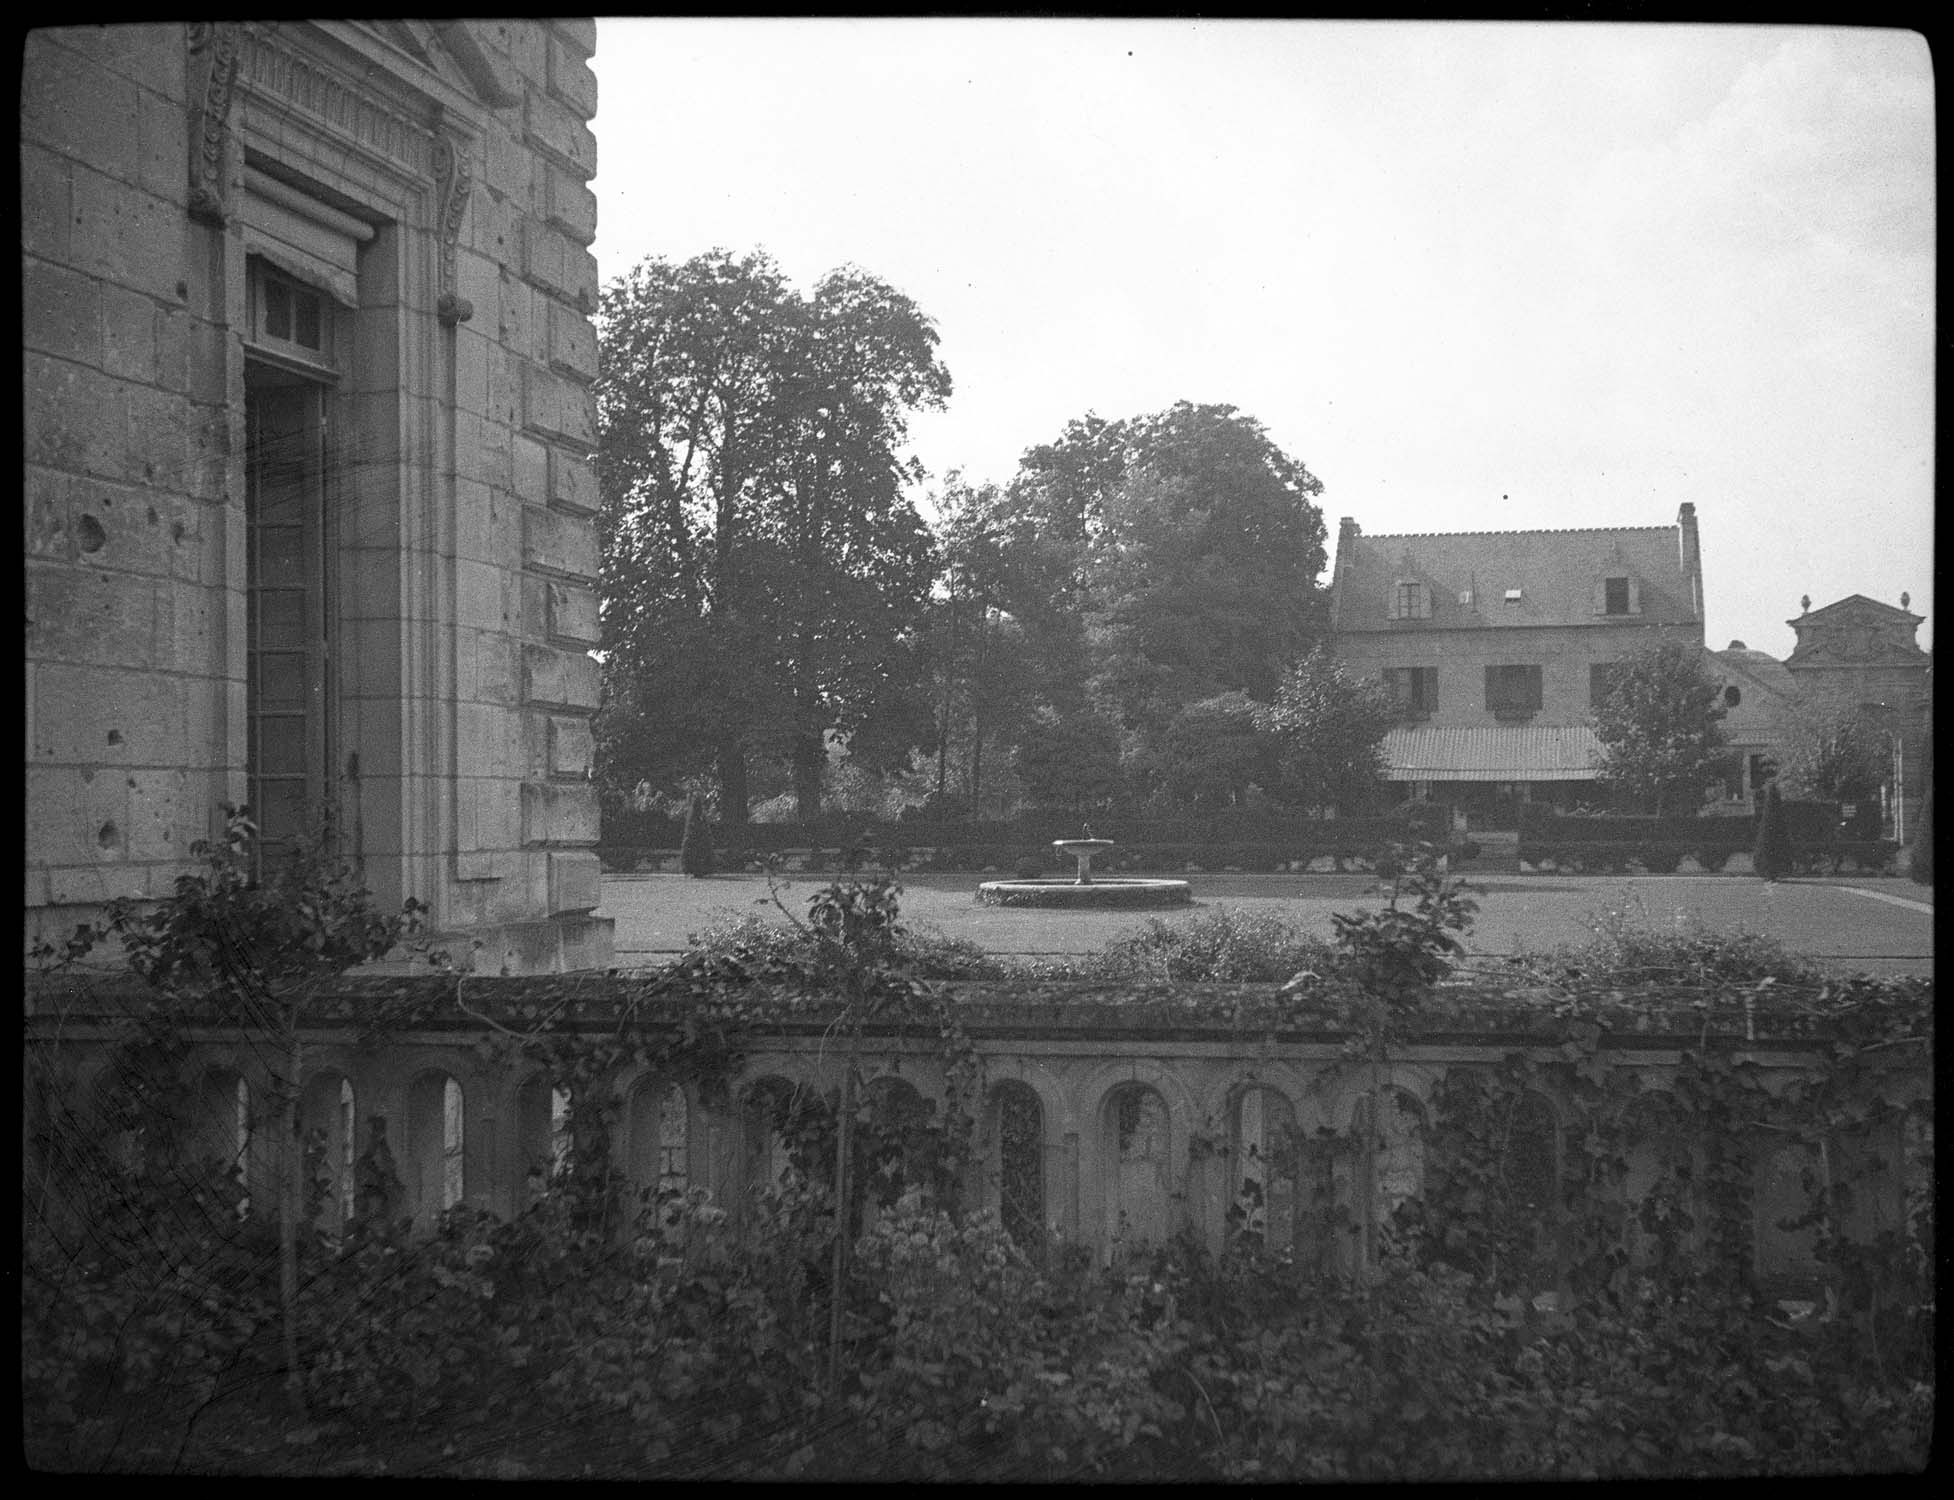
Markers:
<point>1503,752</point>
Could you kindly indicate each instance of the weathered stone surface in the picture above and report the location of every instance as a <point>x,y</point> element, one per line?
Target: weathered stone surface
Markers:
<point>560,131</point>
<point>571,79</point>
<point>134,533</point>
<point>562,678</point>
<point>559,813</point>
<point>557,543</point>
<point>576,884</point>
<point>570,746</point>
<point>573,614</point>
<point>573,484</point>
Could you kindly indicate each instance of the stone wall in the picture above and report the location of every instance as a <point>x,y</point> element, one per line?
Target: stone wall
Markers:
<point>437,175</point>
<point>1148,1115</point>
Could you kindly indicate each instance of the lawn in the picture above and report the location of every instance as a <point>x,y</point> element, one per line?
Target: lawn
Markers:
<point>1846,922</point>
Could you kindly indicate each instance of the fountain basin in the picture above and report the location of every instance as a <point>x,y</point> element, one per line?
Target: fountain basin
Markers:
<point>1101,894</point>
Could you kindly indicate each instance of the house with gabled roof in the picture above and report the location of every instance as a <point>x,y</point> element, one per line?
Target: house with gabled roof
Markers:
<point>1496,645</point>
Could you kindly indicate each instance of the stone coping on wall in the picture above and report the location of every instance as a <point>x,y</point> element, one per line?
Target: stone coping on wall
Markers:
<point>1056,1010</point>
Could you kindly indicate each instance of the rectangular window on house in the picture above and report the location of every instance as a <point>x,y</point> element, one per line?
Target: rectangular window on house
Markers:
<point>1413,602</point>
<point>1599,681</point>
<point>1413,689</point>
<point>1615,596</point>
<point>1513,690</point>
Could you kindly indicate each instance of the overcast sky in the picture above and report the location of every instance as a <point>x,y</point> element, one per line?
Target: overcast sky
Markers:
<point>1476,277</point>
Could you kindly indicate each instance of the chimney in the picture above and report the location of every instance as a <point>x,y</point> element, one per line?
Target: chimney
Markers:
<point>1347,534</point>
<point>1691,557</point>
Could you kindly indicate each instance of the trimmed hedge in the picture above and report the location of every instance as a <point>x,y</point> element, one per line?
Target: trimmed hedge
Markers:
<point>1598,857</point>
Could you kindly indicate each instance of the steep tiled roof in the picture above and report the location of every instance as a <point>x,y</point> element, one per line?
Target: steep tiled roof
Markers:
<point>1556,572</point>
<point>1505,752</point>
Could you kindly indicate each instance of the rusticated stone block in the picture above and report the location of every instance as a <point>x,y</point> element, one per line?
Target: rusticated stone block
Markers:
<point>553,677</point>
<point>559,813</point>
<point>553,542</point>
<point>573,484</point>
<point>561,131</point>
<point>573,613</point>
<point>576,883</point>
<point>571,746</point>
<point>573,342</point>
<point>555,404</point>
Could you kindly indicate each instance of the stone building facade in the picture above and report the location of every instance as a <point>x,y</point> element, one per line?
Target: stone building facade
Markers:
<point>309,508</point>
<point>1497,643</point>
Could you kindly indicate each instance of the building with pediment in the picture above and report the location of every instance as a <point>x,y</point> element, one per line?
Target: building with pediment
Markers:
<point>309,510</point>
<point>1862,652</point>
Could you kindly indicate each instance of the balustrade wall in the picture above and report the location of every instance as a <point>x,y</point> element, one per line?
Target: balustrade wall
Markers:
<point>1102,1124</point>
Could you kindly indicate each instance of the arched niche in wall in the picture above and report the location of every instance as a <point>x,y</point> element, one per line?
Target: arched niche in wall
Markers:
<point>329,1130</point>
<point>1138,1153</point>
<point>1394,1174</point>
<point>542,1134</point>
<point>1017,1126</point>
<point>1659,1207</point>
<point>892,1153</point>
<point>1265,1171</point>
<point>658,1151</point>
<point>433,1164</point>
<point>217,1134</point>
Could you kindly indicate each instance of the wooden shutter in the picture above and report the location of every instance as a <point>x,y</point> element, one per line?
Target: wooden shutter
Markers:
<point>1634,595</point>
<point>1601,595</point>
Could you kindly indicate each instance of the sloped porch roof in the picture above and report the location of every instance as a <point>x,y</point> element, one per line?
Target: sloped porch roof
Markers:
<point>1503,752</point>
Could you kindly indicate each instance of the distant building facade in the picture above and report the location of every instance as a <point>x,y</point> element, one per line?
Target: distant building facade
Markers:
<point>1760,700</point>
<point>1496,645</point>
<point>1861,652</point>
<point>309,513</point>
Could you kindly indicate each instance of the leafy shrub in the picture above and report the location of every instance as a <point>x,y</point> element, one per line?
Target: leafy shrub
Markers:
<point>1628,948</point>
<point>1226,945</point>
<point>762,945</point>
<point>1028,865</point>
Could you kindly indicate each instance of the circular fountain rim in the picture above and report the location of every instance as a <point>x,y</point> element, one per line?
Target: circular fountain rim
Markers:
<point>1109,891</point>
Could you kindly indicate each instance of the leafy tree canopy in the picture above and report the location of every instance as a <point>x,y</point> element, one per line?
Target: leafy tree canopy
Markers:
<point>1660,728</point>
<point>1331,728</point>
<point>1189,543</point>
<point>764,576</point>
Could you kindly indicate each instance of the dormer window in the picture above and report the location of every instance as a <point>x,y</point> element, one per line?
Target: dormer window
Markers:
<point>1618,595</point>
<point>1411,600</point>
<point>1512,596</point>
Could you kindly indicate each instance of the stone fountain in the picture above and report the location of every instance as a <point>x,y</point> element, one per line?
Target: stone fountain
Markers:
<point>1083,891</point>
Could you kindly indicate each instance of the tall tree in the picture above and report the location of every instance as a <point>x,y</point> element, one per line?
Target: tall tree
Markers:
<point>1191,548</point>
<point>1660,728</point>
<point>764,577</point>
<point>992,673</point>
<point>1330,727</point>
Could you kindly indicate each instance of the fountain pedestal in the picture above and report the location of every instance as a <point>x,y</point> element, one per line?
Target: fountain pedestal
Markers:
<point>1084,891</point>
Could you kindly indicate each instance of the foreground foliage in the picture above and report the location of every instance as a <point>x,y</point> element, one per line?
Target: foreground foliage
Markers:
<point>1488,1329</point>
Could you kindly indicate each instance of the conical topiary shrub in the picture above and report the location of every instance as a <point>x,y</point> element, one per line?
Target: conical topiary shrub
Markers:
<point>695,846</point>
<point>1772,860</point>
<point>1921,868</point>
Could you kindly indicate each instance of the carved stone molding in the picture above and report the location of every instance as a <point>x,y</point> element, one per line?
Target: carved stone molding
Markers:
<point>343,111</point>
<point>213,59</point>
<point>455,178</point>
